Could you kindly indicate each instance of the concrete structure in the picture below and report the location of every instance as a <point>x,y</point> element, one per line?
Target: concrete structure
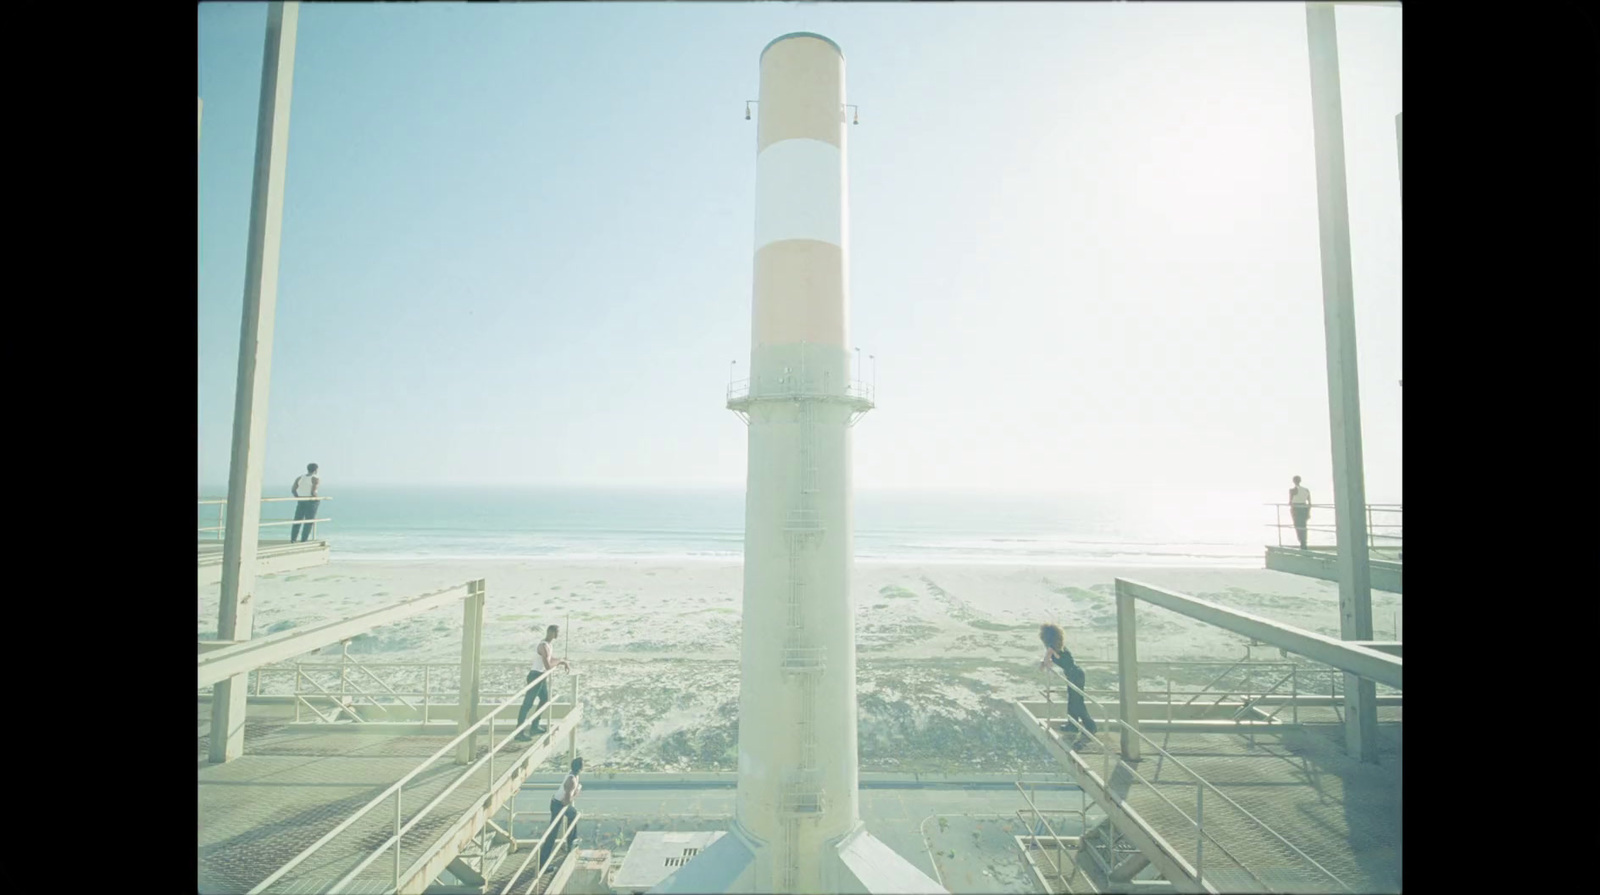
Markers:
<point>239,552</point>
<point>797,826</point>
<point>1344,401</point>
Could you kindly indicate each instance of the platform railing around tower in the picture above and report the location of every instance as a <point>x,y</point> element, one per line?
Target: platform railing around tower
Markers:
<point>215,532</point>
<point>744,390</point>
<point>1384,528</point>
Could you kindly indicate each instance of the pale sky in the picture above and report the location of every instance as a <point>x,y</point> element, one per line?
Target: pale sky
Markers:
<point>517,242</point>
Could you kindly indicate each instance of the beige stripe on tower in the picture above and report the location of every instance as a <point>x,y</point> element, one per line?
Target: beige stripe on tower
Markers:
<point>800,288</point>
<point>801,235</point>
<point>802,92</point>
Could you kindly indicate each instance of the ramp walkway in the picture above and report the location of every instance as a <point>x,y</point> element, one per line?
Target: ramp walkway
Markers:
<point>295,787</point>
<point>1217,794</point>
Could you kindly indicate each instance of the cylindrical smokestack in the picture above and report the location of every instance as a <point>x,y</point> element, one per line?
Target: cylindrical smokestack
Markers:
<point>796,825</point>
<point>797,707</point>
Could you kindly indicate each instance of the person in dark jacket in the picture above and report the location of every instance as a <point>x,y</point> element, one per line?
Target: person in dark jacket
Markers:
<point>1056,653</point>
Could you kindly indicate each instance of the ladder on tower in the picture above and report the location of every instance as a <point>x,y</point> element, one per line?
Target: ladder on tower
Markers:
<point>802,663</point>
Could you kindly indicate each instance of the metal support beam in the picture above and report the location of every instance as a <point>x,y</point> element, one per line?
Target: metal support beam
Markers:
<point>1392,647</point>
<point>1128,674</point>
<point>1344,401</point>
<point>471,668</point>
<point>237,612</point>
<point>1344,655</point>
<point>237,659</point>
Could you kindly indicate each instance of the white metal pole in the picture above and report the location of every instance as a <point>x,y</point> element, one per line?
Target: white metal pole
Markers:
<point>1344,402</point>
<point>240,535</point>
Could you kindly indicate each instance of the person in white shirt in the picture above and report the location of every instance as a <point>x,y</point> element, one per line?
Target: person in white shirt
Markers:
<point>304,487</point>
<point>560,804</point>
<point>1300,509</point>
<point>544,660</point>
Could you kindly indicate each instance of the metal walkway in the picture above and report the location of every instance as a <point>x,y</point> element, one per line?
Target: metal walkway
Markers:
<point>294,785</point>
<point>1297,781</point>
<point>272,558</point>
<point>1384,566</point>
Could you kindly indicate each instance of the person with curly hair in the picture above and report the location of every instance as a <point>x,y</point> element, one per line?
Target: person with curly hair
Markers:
<point>1056,653</point>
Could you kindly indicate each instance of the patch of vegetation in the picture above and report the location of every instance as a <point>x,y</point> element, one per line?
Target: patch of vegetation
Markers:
<point>1078,593</point>
<point>986,625</point>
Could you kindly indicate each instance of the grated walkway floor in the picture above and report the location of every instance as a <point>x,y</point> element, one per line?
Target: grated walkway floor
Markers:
<point>292,787</point>
<point>1299,784</point>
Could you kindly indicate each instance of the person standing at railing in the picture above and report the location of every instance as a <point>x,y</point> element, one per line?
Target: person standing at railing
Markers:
<point>1300,509</point>
<point>304,487</point>
<point>544,659</point>
<point>561,804</point>
<point>1056,652</point>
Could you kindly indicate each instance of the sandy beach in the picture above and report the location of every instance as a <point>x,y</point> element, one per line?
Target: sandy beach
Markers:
<point>942,649</point>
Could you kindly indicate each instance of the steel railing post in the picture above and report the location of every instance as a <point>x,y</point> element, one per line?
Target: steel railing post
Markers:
<point>1128,674</point>
<point>1294,692</point>
<point>397,839</point>
<point>1200,830</point>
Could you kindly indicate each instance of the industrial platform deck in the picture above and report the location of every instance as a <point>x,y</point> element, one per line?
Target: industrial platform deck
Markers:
<point>1384,564</point>
<point>1297,782</point>
<point>272,557</point>
<point>293,785</point>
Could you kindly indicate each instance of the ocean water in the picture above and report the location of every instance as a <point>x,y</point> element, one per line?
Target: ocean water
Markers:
<point>1131,528</point>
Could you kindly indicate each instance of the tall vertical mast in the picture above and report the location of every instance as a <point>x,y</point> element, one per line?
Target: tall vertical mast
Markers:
<point>239,545</point>
<point>1344,399</point>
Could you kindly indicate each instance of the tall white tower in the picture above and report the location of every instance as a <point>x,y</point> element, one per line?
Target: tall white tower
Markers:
<point>796,826</point>
<point>797,705</point>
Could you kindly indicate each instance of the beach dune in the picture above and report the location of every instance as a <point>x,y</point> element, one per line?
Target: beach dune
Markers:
<point>941,649</point>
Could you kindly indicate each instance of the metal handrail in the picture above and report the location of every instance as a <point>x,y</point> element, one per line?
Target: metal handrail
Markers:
<point>1372,527</point>
<point>1108,765</point>
<point>395,789</point>
<point>1039,819</point>
<point>1381,507</point>
<point>1201,784</point>
<point>209,501</point>
<point>560,821</point>
<point>221,504</point>
<point>270,524</point>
